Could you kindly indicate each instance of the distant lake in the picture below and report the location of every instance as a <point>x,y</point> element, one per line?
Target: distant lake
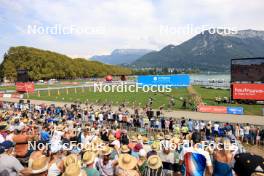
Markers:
<point>207,77</point>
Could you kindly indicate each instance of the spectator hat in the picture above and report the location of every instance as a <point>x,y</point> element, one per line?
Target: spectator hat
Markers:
<point>88,157</point>
<point>39,165</point>
<point>154,162</point>
<point>72,170</point>
<point>7,145</point>
<point>127,162</point>
<point>246,164</point>
<point>124,149</point>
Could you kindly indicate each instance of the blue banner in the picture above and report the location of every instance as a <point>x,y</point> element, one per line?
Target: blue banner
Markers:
<point>181,80</point>
<point>235,110</point>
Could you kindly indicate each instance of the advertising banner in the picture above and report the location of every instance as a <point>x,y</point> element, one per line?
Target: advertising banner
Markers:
<point>235,110</point>
<point>212,109</point>
<point>181,80</point>
<point>25,87</point>
<point>248,91</point>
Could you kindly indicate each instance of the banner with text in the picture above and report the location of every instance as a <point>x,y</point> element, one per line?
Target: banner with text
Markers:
<point>248,91</point>
<point>181,80</point>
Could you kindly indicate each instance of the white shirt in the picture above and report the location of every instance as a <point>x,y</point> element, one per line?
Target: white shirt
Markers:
<point>120,117</point>
<point>216,126</point>
<point>101,117</point>
<point>105,170</point>
<point>2,139</point>
<point>116,143</point>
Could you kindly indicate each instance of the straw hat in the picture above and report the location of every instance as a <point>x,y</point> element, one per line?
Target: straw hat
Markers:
<point>176,140</point>
<point>155,147</point>
<point>152,138</point>
<point>70,159</point>
<point>134,139</point>
<point>3,126</point>
<point>154,162</point>
<point>145,140</point>
<point>127,162</point>
<point>111,137</point>
<point>39,165</point>
<point>72,170</point>
<point>124,149</point>
<point>106,151</point>
<point>88,157</point>
<point>167,137</point>
<point>159,137</point>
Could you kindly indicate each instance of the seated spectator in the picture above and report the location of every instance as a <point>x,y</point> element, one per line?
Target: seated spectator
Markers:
<point>9,165</point>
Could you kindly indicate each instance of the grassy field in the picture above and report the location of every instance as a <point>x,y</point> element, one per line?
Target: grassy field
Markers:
<point>116,98</point>
<point>208,96</point>
<point>138,99</point>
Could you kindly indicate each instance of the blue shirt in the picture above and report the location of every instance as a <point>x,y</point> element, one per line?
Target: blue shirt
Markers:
<point>45,136</point>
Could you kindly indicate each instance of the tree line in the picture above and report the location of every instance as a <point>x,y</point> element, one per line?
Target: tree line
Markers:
<point>42,64</point>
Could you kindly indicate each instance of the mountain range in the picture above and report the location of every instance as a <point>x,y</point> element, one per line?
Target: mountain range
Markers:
<point>206,51</point>
<point>121,56</point>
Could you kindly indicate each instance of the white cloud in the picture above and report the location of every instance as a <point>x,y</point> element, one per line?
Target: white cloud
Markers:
<point>127,23</point>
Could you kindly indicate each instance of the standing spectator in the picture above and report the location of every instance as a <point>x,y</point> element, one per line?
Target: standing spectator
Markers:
<point>237,131</point>
<point>104,164</point>
<point>127,165</point>
<point>168,160</point>
<point>222,159</point>
<point>142,160</point>
<point>196,160</point>
<point>247,135</point>
<point>216,129</point>
<point>154,166</point>
<point>88,160</point>
<point>190,125</point>
<point>258,136</point>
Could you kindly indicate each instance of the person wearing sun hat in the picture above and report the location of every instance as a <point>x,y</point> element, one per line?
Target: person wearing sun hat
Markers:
<point>40,166</point>
<point>114,141</point>
<point>146,145</point>
<point>154,166</point>
<point>104,164</point>
<point>3,128</point>
<point>136,149</point>
<point>88,161</point>
<point>142,160</point>
<point>71,159</point>
<point>127,165</point>
<point>132,142</point>
<point>124,149</point>
<point>154,149</point>
<point>74,170</point>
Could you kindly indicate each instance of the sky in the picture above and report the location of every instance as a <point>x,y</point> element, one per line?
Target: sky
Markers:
<point>83,28</point>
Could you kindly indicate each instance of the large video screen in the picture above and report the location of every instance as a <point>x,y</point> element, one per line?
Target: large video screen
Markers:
<point>249,69</point>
